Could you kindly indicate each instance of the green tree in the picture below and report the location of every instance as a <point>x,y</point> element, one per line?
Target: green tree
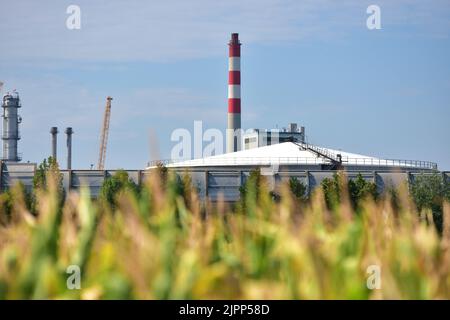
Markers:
<point>10,199</point>
<point>162,172</point>
<point>48,169</point>
<point>115,184</point>
<point>44,171</point>
<point>251,189</point>
<point>332,190</point>
<point>253,181</point>
<point>182,185</point>
<point>360,189</point>
<point>429,192</point>
<point>298,188</point>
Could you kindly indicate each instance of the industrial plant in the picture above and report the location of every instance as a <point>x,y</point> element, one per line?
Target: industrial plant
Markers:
<point>279,153</point>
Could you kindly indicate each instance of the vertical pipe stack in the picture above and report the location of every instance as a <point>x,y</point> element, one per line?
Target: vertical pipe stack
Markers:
<point>54,132</point>
<point>302,130</point>
<point>11,121</point>
<point>234,95</point>
<point>69,132</point>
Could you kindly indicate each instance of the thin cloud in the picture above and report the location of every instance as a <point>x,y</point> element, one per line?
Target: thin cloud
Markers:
<point>178,29</point>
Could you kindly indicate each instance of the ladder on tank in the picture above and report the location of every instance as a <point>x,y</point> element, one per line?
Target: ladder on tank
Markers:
<point>335,159</point>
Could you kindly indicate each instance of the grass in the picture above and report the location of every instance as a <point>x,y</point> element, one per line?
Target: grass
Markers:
<point>165,245</point>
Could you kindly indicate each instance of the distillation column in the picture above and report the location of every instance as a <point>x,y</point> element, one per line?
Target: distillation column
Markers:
<point>11,121</point>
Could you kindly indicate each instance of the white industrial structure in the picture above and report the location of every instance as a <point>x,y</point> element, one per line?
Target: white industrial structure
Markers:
<point>11,121</point>
<point>221,176</point>
<point>256,138</point>
<point>301,156</point>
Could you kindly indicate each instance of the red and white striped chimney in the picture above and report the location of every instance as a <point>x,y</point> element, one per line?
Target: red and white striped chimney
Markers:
<point>234,95</point>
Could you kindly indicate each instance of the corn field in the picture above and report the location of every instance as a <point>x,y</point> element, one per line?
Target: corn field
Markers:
<point>163,245</point>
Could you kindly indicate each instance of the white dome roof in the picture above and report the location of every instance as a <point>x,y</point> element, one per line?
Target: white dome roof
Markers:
<point>290,153</point>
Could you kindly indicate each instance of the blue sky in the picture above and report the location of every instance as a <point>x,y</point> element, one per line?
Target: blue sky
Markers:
<point>383,93</point>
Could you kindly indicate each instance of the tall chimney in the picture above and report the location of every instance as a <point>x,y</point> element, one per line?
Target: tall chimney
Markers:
<point>234,95</point>
<point>54,132</point>
<point>69,132</point>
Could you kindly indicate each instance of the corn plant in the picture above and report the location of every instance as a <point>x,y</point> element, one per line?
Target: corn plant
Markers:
<point>164,243</point>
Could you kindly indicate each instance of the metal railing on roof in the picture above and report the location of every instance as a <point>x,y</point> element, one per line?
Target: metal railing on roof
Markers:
<point>414,164</point>
<point>320,152</point>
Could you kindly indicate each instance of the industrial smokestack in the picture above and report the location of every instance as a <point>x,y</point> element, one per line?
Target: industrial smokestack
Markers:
<point>54,132</point>
<point>69,132</point>
<point>234,95</point>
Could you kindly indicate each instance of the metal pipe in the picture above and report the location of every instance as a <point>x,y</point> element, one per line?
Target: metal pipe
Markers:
<point>302,131</point>
<point>54,132</point>
<point>69,133</point>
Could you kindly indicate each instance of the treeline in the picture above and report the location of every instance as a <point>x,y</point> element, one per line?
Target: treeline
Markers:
<point>428,191</point>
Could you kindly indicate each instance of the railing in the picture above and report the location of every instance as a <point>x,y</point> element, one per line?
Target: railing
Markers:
<point>368,161</point>
<point>239,161</point>
<point>297,161</point>
<point>323,152</point>
<point>19,158</point>
<point>390,162</point>
<point>10,135</point>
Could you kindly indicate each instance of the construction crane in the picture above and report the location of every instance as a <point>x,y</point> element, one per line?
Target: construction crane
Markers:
<point>104,135</point>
